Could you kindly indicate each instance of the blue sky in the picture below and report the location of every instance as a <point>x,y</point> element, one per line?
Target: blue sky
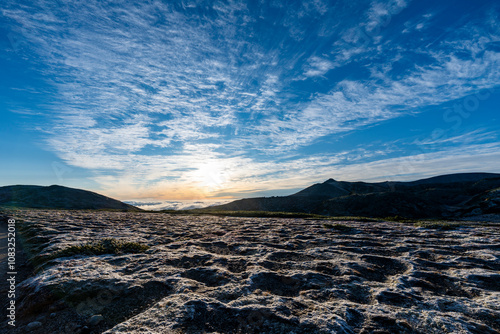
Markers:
<point>195,100</point>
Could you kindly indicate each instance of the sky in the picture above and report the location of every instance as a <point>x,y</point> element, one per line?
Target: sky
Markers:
<point>208,100</point>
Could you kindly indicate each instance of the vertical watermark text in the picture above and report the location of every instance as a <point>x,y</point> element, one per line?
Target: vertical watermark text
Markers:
<point>11,271</point>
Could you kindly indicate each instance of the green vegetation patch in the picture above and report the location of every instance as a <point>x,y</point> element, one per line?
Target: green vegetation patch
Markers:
<point>445,226</point>
<point>339,227</point>
<point>353,218</point>
<point>102,246</point>
<point>400,219</point>
<point>254,214</point>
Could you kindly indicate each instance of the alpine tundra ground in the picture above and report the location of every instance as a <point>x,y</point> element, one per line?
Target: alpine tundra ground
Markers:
<point>117,272</point>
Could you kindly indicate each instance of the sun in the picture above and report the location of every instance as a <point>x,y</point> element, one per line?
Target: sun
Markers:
<point>211,175</point>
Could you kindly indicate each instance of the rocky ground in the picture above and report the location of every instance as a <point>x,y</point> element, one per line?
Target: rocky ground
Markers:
<point>206,274</point>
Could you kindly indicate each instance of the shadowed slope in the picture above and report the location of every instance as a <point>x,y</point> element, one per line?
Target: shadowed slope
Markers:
<point>58,197</point>
<point>454,195</point>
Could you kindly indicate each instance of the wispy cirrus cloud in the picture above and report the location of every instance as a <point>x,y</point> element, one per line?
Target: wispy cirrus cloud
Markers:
<point>452,73</point>
<point>476,136</point>
<point>317,66</point>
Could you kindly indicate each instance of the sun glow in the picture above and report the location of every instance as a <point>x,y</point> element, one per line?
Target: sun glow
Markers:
<point>211,176</point>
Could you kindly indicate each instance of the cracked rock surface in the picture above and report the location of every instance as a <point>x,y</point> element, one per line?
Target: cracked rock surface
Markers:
<point>206,274</point>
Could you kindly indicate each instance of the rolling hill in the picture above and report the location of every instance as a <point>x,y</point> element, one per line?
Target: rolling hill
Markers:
<point>445,196</point>
<point>58,197</point>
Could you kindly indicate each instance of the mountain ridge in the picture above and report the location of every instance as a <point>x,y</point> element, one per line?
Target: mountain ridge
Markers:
<point>58,197</point>
<point>443,196</point>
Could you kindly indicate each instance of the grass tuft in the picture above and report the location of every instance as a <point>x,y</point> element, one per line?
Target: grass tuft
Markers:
<point>444,226</point>
<point>399,219</point>
<point>354,218</point>
<point>253,214</point>
<point>103,246</point>
<point>339,227</point>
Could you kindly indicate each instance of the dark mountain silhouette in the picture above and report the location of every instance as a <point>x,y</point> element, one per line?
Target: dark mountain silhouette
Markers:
<point>451,178</point>
<point>58,197</point>
<point>445,196</point>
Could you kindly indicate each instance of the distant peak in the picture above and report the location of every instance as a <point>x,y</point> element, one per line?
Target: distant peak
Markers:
<point>57,187</point>
<point>330,181</point>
